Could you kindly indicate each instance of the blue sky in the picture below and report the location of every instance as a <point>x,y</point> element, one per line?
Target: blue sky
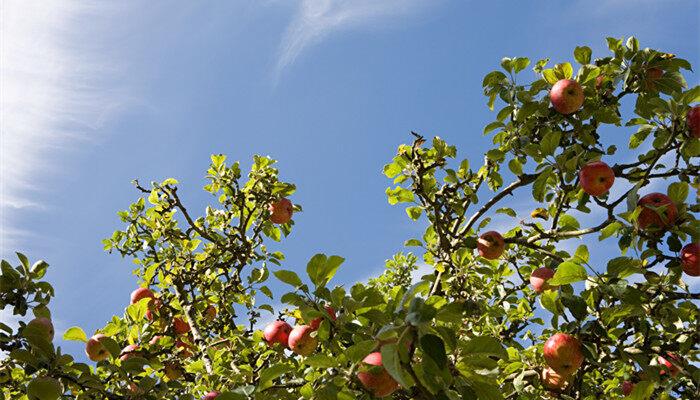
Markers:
<point>95,95</point>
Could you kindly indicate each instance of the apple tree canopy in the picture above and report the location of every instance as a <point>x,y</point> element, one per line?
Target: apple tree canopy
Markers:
<point>478,325</point>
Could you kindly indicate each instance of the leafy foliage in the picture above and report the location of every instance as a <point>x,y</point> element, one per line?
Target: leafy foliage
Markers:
<point>473,328</point>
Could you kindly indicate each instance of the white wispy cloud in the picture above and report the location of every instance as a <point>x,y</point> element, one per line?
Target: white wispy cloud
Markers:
<point>50,98</point>
<point>315,20</point>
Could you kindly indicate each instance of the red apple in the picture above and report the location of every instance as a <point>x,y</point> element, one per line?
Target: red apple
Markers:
<point>316,322</point>
<point>566,96</point>
<point>652,75</point>
<point>672,367</point>
<point>658,212</point>
<point>277,332</point>
<point>627,388</point>
<point>94,348</point>
<point>141,293</point>
<point>490,245</point>
<point>281,211</point>
<point>690,259</point>
<point>40,326</point>
<point>211,395</point>
<point>301,341</point>
<point>562,352</point>
<point>596,178</point>
<point>552,380</point>
<point>693,119</point>
<point>539,278</point>
<point>375,378</point>
<point>180,327</point>
<point>129,352</point>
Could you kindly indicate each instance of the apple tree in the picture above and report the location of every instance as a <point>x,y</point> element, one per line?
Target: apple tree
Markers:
<point>590,291</point>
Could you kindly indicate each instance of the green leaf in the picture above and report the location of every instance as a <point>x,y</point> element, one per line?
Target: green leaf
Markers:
<point>582,253</point>
<point>506,210</point>
<point>413,243</point>
<point>217,160</point>
<point>136,364</point>
<point>42,311</point>
<point>642,391</point>
<point>568,272</point>
<point>288,277</point>
<point>564,70</point>
<point>540,64</point>
<point>169,182</point>
<point>568,223</point>
<point>678,192</point>
<point>587,73</point>
<point>622,267</point>
<point>485,345</point>
<point>112,346</point>
<point>360,350</point>
<point>539,187</point>
<point>495,155</point>
<point>39,269</point>
<point>576,305</point>
<point>391,170</point>
<point>520,63</point>
<point>137,311</point>
<point>434,347</point>
<point>692,95</point>
<point>609,230</point>
<point>507,64</point>
<point>269,374</point>
<point>582,54</point>
<point>492,126</point>
<point>550,142</point>
<point>638,137</point>
<point>392,364</point>
<point>614,44</point>
<point>483,387</point>
<point>321,361</point>
<point>515,166</point>
<point>321,268</point>
<point>414,212</point>
<point>399,195</point>
<point>44,388</point>
<point>23,259</point>
<point>548,299</point>
<point>23,356</point>
<point>75,333</point>
<point>550,76</point>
